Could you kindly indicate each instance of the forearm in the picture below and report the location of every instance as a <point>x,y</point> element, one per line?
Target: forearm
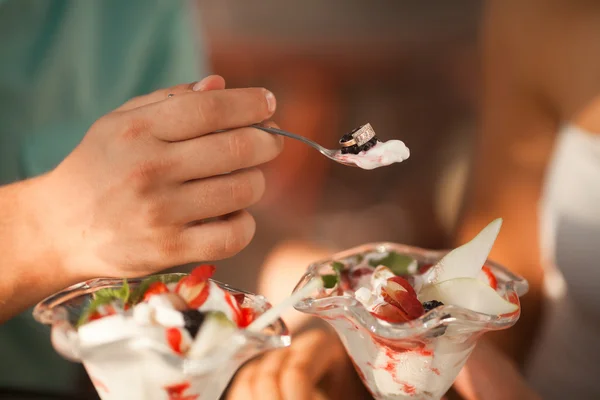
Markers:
<point>29,268</point>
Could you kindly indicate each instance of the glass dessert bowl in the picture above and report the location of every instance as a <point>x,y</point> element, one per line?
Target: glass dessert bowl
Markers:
<point>409,317</point>
<point>144,350</point>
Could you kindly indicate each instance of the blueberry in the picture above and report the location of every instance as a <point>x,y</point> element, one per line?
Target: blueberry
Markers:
<point>193,319</point>
<point>430,305</point>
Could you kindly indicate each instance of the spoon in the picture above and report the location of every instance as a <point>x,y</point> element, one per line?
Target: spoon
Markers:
<point>359,137</point>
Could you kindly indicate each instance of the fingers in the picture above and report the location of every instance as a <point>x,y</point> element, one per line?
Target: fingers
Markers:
<point>223,152</point>
<point>215,240</point>
<point>266,379</point>
<point>194,114</point>
<point>242,385</point>
<point>211,82</point>
<point>220,195</point>
<point>306,365</point>
<point>289,374</point>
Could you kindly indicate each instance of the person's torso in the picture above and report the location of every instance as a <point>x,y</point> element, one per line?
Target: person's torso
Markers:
<point>566,359</point>
<point>64,64</point>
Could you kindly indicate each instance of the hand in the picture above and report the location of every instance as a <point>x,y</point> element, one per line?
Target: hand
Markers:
<point>490,375</point>
<point>133,197</point>
<point>314,367</point>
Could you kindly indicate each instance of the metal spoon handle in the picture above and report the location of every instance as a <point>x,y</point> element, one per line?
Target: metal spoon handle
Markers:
<point>276,131</point>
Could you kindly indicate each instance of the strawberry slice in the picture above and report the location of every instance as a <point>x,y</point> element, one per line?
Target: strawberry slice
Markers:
<point>102,311</point>
<point>390,313</point>
<point>154,289</point>
<point>398,292</point>
<point>204,271</point>
<point>247,315</point>
<point>174,339</point>
<point>239,298</point>
<point>193,290</point>
<point>490,276</point>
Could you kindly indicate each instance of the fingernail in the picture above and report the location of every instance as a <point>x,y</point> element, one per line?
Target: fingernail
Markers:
<point>199,85</point>
<point>271,102</point>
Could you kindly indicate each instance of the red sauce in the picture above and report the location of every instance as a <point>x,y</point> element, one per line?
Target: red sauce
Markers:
<point>409,389</point>
<point>177,392</point>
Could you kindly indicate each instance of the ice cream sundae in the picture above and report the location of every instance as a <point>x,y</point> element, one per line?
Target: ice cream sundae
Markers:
<point>409,318</point>
<point>171,336</point>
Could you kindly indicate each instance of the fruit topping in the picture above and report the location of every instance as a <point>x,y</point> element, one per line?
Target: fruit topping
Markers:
<point>390,313</point>
<point>466,261</point>
<point>154,289</point>
<point>430,305</point>
<point>192,319</point>
<point>193,290</point>
<point>469,293</point>
<point>399,293</point>
<point>204,272</point>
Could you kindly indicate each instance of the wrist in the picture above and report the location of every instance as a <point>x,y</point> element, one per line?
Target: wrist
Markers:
<point>40,234</point>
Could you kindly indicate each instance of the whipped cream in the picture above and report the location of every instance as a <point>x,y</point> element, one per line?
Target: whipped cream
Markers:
<point>380,155</point>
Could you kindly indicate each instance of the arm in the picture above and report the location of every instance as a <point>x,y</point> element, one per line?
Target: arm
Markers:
<point>29,270</point>
<point>517,134</point>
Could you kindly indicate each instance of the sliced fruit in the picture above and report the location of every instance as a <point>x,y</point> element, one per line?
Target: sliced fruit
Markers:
<point>204,271</point>
<point>247,316</point>
<point>174,339</point>
<point>178,340</point>
<point>154,289</point>
<point>398,292</point>
<point>404,283</point>
<point>216,327</point>
<point>466,261</point>
<point>469,293</point>
<point>390,313</point>
<point>193,290</point>
<point>488,276</point>
<point>239,298</point>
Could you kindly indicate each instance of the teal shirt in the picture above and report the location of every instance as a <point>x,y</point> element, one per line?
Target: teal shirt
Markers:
<point>63,64</point>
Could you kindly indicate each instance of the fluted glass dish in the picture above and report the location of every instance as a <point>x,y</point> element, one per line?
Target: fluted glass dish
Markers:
<point>142,368</point>
<point>418,359</point>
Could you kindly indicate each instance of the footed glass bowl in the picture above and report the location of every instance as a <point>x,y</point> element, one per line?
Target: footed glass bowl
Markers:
<point>141,368</point>
<point>419,359</point>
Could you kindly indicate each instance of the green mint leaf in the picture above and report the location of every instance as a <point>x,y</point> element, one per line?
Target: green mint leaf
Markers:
<point>397,263</point>
<point>103,297</point>
<point>337,266</point>
<point>329,281</point>
<point>359,258</point>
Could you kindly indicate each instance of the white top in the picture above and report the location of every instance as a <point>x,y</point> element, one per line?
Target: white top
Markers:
<point>566,361</point>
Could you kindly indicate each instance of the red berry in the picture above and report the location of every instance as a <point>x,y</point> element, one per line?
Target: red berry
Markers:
<point>204,272</point>
<point>154,289</point>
